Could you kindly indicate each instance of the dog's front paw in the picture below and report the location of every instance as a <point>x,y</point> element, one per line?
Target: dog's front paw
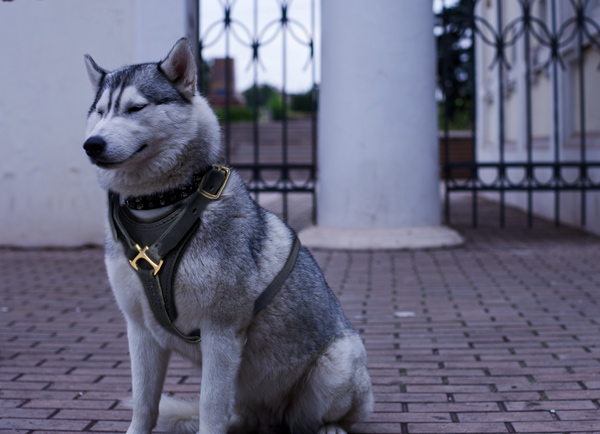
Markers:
<point>135,430</point>
<point>331,429</point>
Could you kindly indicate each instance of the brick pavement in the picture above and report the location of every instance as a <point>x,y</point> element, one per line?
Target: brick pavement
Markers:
<point>498,336</point>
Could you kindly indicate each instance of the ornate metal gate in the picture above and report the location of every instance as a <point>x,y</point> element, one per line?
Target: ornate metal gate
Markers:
<point>291,167</point>
<point>529,99</point>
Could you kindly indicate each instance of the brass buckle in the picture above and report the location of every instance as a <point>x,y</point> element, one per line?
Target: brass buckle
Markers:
<point>218,193</point>
<point>142,255</point>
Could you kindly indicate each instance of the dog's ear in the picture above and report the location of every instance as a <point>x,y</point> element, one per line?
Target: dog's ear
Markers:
<point>180,68</point>
<point>95,73</point>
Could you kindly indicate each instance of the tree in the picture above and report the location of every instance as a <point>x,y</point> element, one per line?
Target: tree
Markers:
<point>265,94</point>
<point>303,102</point>
<point>455,62</point>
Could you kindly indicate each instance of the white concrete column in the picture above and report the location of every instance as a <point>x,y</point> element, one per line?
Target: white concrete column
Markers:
<point>378,138</point>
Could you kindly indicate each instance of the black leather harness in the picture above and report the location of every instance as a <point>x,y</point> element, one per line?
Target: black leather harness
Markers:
<point>161,244</point>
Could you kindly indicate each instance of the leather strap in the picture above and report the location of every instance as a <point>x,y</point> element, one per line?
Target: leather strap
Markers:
<point>158,287</point>
<point>164,242</point>
<point>155,295</point>
<point>279,280</point>
<point>160,245</point>
<point>190,216</point>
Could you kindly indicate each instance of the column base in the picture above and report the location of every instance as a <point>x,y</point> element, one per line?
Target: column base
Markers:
<point>319,237</point>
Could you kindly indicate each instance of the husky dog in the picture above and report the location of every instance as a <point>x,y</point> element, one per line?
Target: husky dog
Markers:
<point>297,365</point>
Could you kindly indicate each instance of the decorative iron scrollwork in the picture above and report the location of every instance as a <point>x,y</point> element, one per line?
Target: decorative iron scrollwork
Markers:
<point>577,31</point>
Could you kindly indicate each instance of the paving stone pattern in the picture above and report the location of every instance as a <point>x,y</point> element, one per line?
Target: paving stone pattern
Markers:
<point>498,336</point>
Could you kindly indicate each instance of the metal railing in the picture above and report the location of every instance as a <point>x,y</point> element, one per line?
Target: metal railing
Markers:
<point>557,29</point>
<point>285,176</point>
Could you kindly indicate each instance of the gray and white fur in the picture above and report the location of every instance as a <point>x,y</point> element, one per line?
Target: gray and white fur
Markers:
<point>297,364</point>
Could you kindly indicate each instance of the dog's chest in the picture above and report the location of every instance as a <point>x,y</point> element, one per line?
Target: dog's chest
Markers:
<point>131,296</point>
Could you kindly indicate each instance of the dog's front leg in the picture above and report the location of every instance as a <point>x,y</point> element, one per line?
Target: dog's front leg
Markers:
<point>221,357</point>
<point>149,364</point>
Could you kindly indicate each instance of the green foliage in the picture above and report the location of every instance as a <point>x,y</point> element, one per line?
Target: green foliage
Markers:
<point>265,93</point>
<point>236,114</point>
<point>461,118</point>
<point>303,102</point>
<point>275,106</point>
<point>268,99</point>
<point>455,61</point>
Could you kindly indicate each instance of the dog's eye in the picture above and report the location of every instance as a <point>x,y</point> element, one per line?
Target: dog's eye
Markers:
<point>136,108</point>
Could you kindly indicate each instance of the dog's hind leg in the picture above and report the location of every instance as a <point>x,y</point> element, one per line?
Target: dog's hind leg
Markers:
<point>337,391</point>
<point>243,422</point>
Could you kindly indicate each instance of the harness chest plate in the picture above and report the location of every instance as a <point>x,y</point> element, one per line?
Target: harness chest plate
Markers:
<point>164,242</point>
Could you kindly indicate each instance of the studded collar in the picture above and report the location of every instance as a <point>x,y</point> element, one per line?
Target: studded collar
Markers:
<point>166,198</point>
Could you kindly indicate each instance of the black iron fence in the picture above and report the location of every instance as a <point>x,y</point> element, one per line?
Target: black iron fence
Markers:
<point>267,163</point>
<point>527,49</point>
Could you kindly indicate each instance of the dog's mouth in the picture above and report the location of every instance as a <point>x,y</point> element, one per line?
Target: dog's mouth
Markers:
<point>113,164</point>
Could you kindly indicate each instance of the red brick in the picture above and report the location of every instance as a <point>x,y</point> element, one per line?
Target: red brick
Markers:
<point>510,416</point>
<point>71,378</point>
<point>578,415</point>
<point>538,386</point>
<point>557,426</point>
<point>22,386</point>
<point>75,404</point>
<point>579,394</point>
<point>112,415</point>
<point>495,397</point>
<point>549,405</point>
<point>447,389</point>
<point>410,397</point>
<point>110,426</point>
<point>36,394</point>
<point>10,403</point>
<point>475,428</point>
<point>453,407</point>
<point>377,428</point>
<point>25,413</point>
<point>45,424</point>
<point>410,417</point>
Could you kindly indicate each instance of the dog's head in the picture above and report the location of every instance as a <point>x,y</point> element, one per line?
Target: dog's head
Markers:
<point>148,129</point>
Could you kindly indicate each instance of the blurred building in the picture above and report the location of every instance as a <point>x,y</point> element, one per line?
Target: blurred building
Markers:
<point>545,111</point>
<point>222,84</point>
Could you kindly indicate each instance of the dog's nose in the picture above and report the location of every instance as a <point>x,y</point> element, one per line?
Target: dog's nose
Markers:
<point>94,146</point>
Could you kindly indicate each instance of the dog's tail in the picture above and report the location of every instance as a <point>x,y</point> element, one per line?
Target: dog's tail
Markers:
<point>176,416</point>
<point>179,416</point>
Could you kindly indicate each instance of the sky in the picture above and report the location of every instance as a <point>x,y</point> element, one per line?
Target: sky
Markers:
<point>299,68</point>
<point>437,4</point>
